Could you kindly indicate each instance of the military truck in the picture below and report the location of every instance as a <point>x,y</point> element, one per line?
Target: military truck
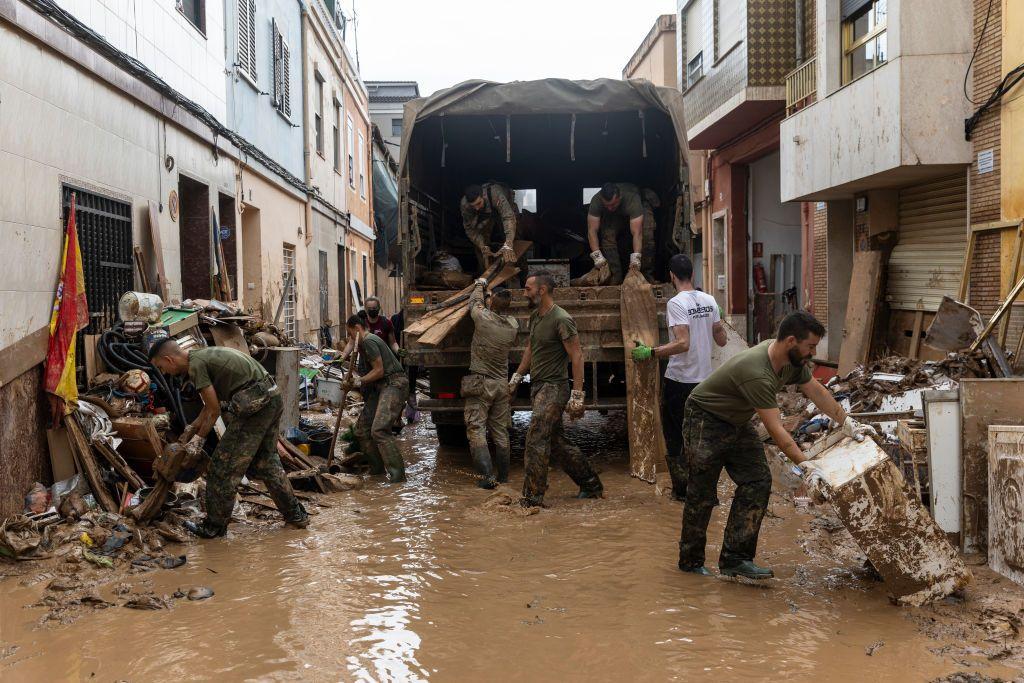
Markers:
<point>555,142</point>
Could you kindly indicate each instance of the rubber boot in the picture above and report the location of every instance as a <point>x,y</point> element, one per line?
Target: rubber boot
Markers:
<point>747,570</point>
<point>501,459</point>
<point>482,463</point>
<point>373,457</point>
<point>392,460</point>
<point>301,520</point>
<point>591,488</point>
<point>204,529</point>
<point>701,570</point>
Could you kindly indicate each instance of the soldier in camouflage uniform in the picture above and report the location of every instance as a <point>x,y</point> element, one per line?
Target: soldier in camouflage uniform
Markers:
<point>618,210</point>
<point>485,208</point>
<point>485,388</point>
<point>385,389</point>
<point>553,341</point>
<point>232,384</point>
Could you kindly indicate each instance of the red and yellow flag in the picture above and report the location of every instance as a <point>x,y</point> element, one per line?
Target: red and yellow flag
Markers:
<point>70,314</point>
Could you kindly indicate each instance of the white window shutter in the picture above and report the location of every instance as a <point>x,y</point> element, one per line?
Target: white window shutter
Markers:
<point>244,44</point>
<point>252,38</point>
<point>286,94</point>
<point>276,56</point>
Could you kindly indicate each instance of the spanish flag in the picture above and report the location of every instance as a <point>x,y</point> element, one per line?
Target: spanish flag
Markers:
<point>70,314</point>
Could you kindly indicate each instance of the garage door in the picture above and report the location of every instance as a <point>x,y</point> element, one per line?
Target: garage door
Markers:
<point>929,255</point>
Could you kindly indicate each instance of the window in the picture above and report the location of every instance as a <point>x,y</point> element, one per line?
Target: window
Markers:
<point>351,160</point>
<point>318,114</point>
<point>324,313</point>
<point>288,316</point>
<point>195,12</point>
<point>362,165</point>
<point>864,40</point>
<point>366,267</point>
<point>588,194</point>
<point>282,74</point>
<point>526,200</point>
<point>247,39</point>
<point>694,28</point>
<point>396,128</point>
<point>728,25</point>
<point>337,135</point>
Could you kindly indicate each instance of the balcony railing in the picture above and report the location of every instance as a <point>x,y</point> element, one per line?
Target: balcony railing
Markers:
<point>801,86</point>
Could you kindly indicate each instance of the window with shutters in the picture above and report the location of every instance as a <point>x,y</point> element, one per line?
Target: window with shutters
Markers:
<point>865,46</point>
<point>337,135</point>
<point>693,29</point>
<point>362,165</point>
<point>247,39</point>
<point>318,113</point>
<point>351,151</point>
<point>282,72</point>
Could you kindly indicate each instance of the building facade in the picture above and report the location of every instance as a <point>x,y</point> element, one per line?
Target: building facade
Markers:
<point>387,106</point>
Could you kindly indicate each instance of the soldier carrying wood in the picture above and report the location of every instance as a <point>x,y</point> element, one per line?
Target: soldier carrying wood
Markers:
<point>609,210</point>
<point>485,208</point>
<point>232,384</point>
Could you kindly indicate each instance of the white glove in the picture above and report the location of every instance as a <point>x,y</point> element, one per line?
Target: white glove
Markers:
<point>599,259</point>
<point>856,430</point>
<point>575,405</point>
<point>634,260</point>
<point>481,282</point>
<point>507,254</point>
<point>357,381</point>
<point>814,480</point>
<point>194,446</point>
<point>514,382</point>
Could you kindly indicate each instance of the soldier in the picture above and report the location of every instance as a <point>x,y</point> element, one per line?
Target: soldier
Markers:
<point>718,433</point>
<point>385,388</point>
<point>484,208</point>
<point>553,341</point>
<point>609,210</point>
<point>232,382</point>
<point>485,388</point>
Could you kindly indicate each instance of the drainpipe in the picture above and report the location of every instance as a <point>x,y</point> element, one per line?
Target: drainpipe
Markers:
<point>307,162</point>
<point>800,21</point>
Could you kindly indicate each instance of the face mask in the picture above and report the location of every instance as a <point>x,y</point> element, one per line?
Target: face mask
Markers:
<point>373,312</point>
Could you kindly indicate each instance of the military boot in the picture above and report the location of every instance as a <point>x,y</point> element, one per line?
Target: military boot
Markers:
<point>374,459</point>
<point>392,460</point>
<point>482,463</point>
<point>300,520</point>
<point>747,570</point>
<point>591,488</point>
<point>204,529</point>
<point>501,459</point>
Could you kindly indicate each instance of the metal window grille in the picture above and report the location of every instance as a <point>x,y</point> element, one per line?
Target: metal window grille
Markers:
<point>288,315</point>
<point>324,313</point>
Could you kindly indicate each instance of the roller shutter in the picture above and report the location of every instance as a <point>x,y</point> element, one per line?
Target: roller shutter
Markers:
<point>929,255</point>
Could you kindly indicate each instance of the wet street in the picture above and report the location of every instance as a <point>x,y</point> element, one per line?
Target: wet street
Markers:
<point>419,581</point>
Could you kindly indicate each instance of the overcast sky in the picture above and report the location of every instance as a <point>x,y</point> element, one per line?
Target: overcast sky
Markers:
<point>442,42</point>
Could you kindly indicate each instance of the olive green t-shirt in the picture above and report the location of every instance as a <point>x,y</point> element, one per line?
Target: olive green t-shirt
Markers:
<point>745,382</point>
<point>372,348</point>
<point>548,355</point>
<point>631,206</point>
<point>227,370</point>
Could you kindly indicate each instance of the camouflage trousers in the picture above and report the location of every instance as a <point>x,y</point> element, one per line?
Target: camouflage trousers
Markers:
<point>487,410</point>
<point>711,444</point>
<point>614,234</point>
<point>546,439</point>
<point>249,447</point>
<point>383,403</point>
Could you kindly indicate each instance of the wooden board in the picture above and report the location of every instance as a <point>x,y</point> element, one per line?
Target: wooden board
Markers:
<point>86,461</point>
<point>640,323</point>
<point>163,287</point>
<point>1005,472</point>
<point>983,402</point>
<point>436,334</point>
<point>230,336</point>
<point>140,440</point>
<point>865,285</point>
<point>62,460</point>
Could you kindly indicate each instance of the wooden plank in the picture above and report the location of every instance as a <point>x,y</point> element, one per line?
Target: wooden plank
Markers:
<point>436,334</point>
<point>429,320</point>
<point>222,267</point>
<point>640,323</point>
<point>119,465</point>
<point>139,436</point>
<point>140,266</point>
<point>1014,275</point>
<point>86,461</point>
<point>163,287</point>
<point>915,338</point>
<point>865,283</point>
<point>93,363</point>
<point>1005,470</point>
<point>62,459</point>
<point>23,355</point>
<point>983,402</point>
<point>230,336</point>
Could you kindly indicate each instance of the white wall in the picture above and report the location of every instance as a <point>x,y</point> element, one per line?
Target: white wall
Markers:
<point>772,223</point>
<point>160,36</point>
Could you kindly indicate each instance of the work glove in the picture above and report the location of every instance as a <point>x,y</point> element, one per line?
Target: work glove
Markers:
<point>814,480</point>
<point>348,436</point>
<point>507,254</point>
<point>575,405</point>
<point>193,451</point>
<point>351,383</point>
<point>481,282</point>
<point>642,352</point>
<point>513,383</point>
<point>599,259</point>
<point>856,430</point>
<point>402,354</point>
<point>187,435</point>
<point>634,261</point>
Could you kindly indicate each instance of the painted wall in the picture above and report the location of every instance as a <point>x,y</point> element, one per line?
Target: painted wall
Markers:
<point>658,63</point>
<point>159,36</point>
<point>251,111</point>
<point>323,56</point>
<point>1012,116</point>
<point>359,188</point>
<point>382,114</point>
<point>774,224</point>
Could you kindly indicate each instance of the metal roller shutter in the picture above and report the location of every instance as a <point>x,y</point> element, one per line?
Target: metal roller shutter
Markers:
<point>929,255</point>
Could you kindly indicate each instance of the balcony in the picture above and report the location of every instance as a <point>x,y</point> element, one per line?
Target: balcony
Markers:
<point>801,86</point>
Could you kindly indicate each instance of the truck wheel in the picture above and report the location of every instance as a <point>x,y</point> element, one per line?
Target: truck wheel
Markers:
<point>452,435</point>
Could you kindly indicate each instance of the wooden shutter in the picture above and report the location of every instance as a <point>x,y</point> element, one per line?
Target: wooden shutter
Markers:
<point>929,254</point>
<point>276,56</point>
<point>286,90</point>
<point>247,37</point>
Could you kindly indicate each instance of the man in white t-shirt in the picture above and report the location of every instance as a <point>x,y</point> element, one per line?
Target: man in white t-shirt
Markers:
<point>693,321</point>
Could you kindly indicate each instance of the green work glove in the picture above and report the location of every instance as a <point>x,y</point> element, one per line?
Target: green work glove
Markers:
<point>348,435</point>
<point>642,352</point>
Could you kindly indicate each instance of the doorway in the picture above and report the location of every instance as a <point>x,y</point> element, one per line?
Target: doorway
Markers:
<point>252,266</point>
<point>195,238</point>
<point>229,239</point>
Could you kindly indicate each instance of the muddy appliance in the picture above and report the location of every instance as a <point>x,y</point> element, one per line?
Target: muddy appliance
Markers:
<point>282,362</point>
<point>887,521</point>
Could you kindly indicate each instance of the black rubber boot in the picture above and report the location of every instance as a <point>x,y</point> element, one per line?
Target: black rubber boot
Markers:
<point>393,462</point>
<point>501,459</point>
<point>701,570</point>
<point>482,463</point>
<point>301,521</point>
<point>747,570</point>
<point>204,530</point>
<point>591,488</point>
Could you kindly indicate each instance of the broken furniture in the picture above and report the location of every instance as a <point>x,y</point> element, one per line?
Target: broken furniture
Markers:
<point>1006,501</point>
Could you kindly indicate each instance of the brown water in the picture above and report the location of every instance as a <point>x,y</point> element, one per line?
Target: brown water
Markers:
<point>416,582</point>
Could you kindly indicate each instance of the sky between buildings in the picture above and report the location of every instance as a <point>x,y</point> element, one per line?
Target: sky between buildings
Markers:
<point>442,42</point>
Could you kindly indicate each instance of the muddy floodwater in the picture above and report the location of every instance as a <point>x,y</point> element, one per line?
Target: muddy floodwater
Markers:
<point>420,582</point>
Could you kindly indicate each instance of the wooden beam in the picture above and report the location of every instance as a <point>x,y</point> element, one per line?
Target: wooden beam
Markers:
<point>86,461</point>
<point>162,285</point>
<point>915,338</point>
<point>640,324</point>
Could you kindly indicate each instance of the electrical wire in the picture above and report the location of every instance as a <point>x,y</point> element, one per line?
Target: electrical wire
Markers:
<point>981,37</point>
<point>1009,82</point>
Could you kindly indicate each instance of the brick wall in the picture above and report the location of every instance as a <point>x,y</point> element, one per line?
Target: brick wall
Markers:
<point>820,249</point>
<point>984,288</point>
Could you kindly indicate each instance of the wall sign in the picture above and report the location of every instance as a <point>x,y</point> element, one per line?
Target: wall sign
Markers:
<point>986,161</point>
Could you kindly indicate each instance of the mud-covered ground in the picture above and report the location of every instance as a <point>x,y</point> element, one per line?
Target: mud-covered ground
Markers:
<point>437,579</point>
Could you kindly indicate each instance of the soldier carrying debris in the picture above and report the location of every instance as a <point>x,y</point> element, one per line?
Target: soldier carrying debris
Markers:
<point>485,388</point>
<point>483,206</point>
<point>609,209</point>
<point>553,341</point>
<point>385,389</point>
<point>718,433</point>
<point>233,384</point>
